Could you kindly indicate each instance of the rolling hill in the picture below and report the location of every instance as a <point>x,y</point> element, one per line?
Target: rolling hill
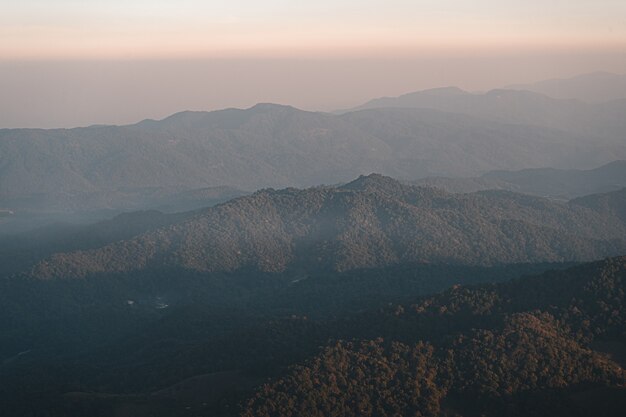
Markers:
<point>595,87</point>
<point>516,107</point>
<point>545,345</point>
<point>151,163</point>
<point>548,182</point>
<point>374,221</point>
<point>528,347</point>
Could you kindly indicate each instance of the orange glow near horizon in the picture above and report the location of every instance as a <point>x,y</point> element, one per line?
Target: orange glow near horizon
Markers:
<point>70,63</point>
<point>171,48</point>
<point>162,29</point>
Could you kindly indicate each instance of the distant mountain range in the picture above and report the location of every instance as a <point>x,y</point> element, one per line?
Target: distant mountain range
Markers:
<point>461,288</point>
<point>516,107</point>
<point>596,87</point>
<point>445,132</point>
<point>374,221</point>
<point>548,182</point>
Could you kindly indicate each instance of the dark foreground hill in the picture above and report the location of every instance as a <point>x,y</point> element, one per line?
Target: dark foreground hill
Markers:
<point>529,347</point>
<point>548,345</point>
<point>373,221</point>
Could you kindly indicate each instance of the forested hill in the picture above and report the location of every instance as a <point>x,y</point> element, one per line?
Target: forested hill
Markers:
<point>528,347</point>
<point>613,204</point>
<point>134,166</point>
<point>548,182</point>
<point>373,221</point>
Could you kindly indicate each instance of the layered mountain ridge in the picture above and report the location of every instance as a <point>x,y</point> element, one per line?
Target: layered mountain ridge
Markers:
<point>445,132</point>
<point>374,221</point>
<point>548,182</point>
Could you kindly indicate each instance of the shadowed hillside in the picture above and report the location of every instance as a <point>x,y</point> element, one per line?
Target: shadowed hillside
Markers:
<point>515,349</point>
<point>373,221</point>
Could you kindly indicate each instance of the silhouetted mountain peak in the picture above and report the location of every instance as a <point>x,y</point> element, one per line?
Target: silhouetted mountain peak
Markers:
<point>450,91</point>
<point>186,115</point>
<point>595,87</point>
<point>224,118</point>
<point>373,182</point>
<point>270,107</point>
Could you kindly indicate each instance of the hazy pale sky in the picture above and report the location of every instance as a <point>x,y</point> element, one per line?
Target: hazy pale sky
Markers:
<point>69,62</point>
<point>200,28</point>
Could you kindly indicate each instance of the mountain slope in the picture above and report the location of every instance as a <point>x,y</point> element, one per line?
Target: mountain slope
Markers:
<point>21,251</point>
<point>261,146</point>
<point>613,204</point>
<point>533,346</point>
<point>549,182</point>
<point>595,87</point>
<point>373,221</point>
<point>519,348</point>
<point>423,141</point>
<point>132,167</point>
<point>517,107</point>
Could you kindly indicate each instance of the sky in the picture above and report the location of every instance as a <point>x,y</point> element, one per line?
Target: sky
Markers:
<point>71,62</point>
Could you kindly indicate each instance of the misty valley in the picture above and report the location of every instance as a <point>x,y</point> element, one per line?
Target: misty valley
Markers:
<point>440,253</point>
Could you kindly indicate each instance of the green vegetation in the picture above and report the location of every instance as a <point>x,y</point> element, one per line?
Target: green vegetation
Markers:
<point>320,302</point>
<point>371,222</point>
<point>524,347</point>
<point>515,349</point>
